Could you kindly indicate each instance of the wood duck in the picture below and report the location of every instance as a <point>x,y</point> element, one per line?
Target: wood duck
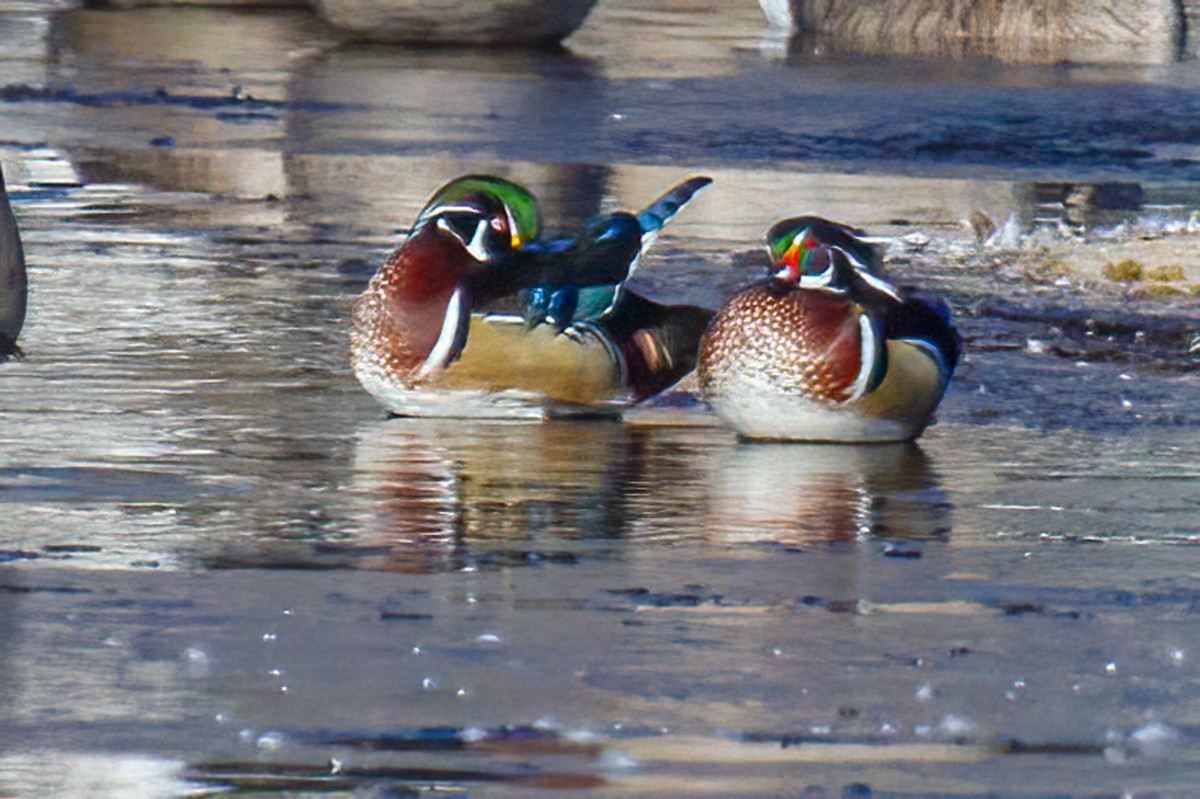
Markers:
<point>422,344</point>
<point>824,349</point>
<point>13,280</point>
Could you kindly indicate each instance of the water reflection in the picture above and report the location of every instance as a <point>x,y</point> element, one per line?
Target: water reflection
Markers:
<point>358,135</point>
<point>180,50</point>
<point>1078,206</point>
<point>806,493</point>
<point>452,494</point>
<point>469,102</point>
<point>669,38</point>
<point>169,82</point>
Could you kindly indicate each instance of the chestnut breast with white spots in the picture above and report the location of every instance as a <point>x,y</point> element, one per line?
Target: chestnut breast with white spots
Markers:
<point>800,343</point>
<point>397,321</point>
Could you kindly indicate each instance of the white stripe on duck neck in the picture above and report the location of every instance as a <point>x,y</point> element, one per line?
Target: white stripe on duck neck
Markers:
<point>443,349</point>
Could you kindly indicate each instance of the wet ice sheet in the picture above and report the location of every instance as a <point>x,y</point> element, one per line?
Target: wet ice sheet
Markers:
<point>926,666</point>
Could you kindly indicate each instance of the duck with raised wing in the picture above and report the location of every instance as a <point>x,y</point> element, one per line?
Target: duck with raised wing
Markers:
<point>422,343</point>
<point>584,275</point>
<point>824,349</point>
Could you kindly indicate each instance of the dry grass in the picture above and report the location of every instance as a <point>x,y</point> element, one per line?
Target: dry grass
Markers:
<point>1009,29</point>
<point>1127,271</point>
<point>1167,273</point>
<point>1159,290</point>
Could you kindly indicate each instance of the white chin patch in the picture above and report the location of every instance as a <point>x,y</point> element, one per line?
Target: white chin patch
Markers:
<point>880,285</point>
<point>821,281</point>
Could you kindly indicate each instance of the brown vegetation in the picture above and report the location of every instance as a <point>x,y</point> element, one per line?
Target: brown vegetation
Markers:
<point>1024,30</point>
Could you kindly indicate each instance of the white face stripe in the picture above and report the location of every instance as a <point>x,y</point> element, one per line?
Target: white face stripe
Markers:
<point>457,209</point>
<point>440,354</point>
<point>879,285</point>
<point>477,246</point>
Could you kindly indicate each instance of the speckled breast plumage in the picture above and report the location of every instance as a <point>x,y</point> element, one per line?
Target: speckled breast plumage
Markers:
<point>388,341</point>
<point>778,339</point>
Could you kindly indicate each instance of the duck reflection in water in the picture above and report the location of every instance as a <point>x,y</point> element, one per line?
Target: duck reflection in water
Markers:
<point>447,494</point>
<point>811,493</point>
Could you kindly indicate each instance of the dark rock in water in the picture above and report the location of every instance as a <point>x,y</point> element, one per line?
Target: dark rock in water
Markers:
<point>901,552</point>
<point>126,4</point>
<point>510,23</point>
<point>14,286</point>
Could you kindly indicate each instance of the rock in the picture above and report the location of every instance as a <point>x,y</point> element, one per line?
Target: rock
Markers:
<point>489,22</point>
<point>981,225</point>
<point>13,282</point>
<point>1143,31</point>
<point>125,4</point>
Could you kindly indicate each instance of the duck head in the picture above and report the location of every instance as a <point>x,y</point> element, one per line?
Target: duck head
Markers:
<point>414,316</point>
<point>789,240</point>
<point>518,205</point>
<point>811,252</point>
<point>810,263</point>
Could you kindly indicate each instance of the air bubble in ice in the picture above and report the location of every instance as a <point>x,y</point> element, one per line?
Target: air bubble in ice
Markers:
<point>613,759</point>
<point>195,662</point>
<point>472,735</point>
<point>1154,738</point>
<point>270,741</point>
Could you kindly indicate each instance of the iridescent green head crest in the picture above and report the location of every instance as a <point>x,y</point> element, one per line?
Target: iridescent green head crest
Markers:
<point>524,218</point>
<point>783,235</point>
